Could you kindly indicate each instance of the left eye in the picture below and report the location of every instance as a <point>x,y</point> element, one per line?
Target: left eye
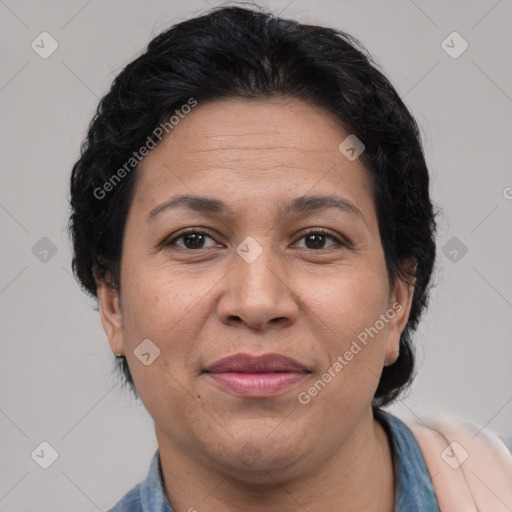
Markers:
<point>319,238</point>
<point>196,239</point>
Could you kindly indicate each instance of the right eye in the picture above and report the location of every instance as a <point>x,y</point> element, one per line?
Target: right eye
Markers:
<point>192,239</point>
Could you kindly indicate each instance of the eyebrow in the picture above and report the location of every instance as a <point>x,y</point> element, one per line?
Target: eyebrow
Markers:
<point>302,204</point>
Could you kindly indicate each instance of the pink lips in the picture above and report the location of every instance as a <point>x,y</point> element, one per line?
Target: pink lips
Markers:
<point>256,376</point>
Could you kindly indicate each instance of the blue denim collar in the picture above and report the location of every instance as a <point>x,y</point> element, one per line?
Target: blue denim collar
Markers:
<point>152,494</point>
<point>414,490</point>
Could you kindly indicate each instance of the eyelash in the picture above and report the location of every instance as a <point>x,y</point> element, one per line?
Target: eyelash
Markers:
<point>311,231</point>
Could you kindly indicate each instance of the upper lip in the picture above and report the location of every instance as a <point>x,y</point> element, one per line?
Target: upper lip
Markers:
<point>248,363</point>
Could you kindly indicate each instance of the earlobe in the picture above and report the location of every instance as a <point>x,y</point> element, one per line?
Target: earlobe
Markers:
<point>111,315</point>
<point>401,303</point>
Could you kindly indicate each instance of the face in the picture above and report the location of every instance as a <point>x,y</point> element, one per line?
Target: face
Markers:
<point>254,277</point>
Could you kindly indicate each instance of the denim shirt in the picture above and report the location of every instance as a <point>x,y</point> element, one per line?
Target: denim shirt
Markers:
<point>413,492</point>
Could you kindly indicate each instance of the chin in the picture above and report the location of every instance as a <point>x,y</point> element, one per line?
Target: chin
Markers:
<point>252,459</point>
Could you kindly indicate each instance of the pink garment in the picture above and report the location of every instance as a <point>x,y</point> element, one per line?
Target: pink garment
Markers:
<point>470,467</point>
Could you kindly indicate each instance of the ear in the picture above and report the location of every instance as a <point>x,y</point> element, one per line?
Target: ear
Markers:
<point>399,304</point>
<point>111,314</point>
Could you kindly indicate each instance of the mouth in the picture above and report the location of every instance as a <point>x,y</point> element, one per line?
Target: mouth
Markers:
<point>256,376</point>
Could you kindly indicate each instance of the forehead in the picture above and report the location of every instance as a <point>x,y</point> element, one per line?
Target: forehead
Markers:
<point>253,125</point>
<point>260,149</point>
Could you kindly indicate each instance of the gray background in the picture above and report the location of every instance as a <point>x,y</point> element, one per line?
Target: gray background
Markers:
<point>56,370</point>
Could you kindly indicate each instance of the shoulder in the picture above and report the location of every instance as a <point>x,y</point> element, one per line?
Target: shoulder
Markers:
<point>130,502</point>
<point>506,440</point>
<point>147,496</point>
<point>468,464</point>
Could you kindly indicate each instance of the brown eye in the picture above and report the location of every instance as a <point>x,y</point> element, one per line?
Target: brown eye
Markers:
<point>191,240</point>
<point>316,240</point>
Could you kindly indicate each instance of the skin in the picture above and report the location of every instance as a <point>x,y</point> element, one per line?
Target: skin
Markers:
<point>303,298</point>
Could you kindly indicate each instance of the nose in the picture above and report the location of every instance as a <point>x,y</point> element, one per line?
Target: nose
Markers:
<point>258,294</point>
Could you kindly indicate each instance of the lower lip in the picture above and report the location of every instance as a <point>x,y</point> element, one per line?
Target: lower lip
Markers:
<point>257,384</point>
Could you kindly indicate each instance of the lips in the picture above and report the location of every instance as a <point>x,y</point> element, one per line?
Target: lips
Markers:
<point>256,376</point>
<point>247,363</point>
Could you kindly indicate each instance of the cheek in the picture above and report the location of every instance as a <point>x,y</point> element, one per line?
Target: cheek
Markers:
<point>161,301</point>
<point>158,305</point>
<point>353,301</point>
<point>355,340</point>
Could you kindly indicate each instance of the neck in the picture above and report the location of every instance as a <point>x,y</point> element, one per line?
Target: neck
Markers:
<point>358,475</point>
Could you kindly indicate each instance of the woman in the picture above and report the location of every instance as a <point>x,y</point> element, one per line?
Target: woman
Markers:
<point>251,209</point>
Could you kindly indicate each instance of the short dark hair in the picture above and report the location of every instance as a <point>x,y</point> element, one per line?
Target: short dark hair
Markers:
<point>240,52</point>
